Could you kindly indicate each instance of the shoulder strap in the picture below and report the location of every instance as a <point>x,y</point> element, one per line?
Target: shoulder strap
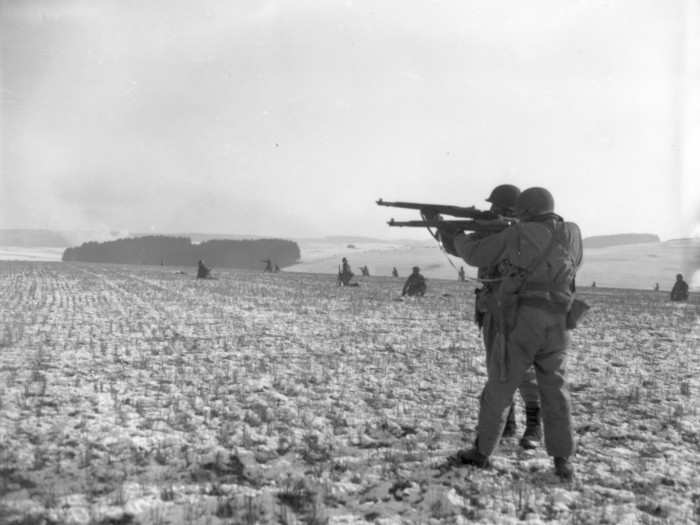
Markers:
<point>540,259</point>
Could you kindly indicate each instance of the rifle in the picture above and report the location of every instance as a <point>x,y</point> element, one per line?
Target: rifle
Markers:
<point>470,212</point>
<point>479,220</point>
<point>493,226</point>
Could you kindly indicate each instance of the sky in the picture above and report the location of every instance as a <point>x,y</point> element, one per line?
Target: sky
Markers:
<point>290,118</point>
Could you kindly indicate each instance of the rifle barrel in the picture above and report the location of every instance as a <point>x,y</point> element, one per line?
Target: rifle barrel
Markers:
<point>476,225</point>
<point>443,209</point>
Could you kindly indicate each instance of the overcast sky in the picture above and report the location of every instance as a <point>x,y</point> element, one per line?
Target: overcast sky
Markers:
<point>290,118</point>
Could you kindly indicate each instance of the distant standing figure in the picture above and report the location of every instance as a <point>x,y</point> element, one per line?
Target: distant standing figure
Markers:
<point>345,274</point>
<point>268,266</point>
<point>460,274</point>
<point>202,271</point>
<point>365,271</point>
<point>394,272</point>
<point>679,292</point>
<point>277,269</point>
<point>415,284</point>
<point>593,285</point>
<point>656,287</point>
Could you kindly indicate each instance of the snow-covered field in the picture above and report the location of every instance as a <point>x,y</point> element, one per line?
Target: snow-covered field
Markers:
<point>141,395</point>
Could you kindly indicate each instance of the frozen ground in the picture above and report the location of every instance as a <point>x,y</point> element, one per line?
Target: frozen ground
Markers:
<point>141,395</point>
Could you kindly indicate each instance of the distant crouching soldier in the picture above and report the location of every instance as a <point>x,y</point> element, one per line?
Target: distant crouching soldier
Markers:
<point>679,292</point>
<point>415,284</point>
<point>202,271</point>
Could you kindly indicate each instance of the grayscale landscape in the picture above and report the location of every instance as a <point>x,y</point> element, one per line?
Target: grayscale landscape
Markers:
<point>182,181</point>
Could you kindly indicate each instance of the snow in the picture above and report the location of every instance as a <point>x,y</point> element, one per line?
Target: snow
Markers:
<point>138,391</point>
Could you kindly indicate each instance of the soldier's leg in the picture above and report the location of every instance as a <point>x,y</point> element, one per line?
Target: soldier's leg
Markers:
<point>497,396</point>
<point>489,332</point>
<point>550,366</point>
<point>528,388</point>
<point>530,394</point>
<point>510,426</point>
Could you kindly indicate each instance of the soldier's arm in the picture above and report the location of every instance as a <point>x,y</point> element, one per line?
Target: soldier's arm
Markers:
<point>482,251</point>
<point>577,242</point>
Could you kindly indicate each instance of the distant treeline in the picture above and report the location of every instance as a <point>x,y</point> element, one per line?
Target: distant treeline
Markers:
<point>603,241</point>
<point>179,251</point>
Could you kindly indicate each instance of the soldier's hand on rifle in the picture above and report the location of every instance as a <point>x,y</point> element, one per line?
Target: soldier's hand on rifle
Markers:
<point>448,229</point>
<point>446,233</point>
<point>478,235</point>
<point>430,215</point>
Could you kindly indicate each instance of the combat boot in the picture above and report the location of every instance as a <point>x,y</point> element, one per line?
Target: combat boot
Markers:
<point>473,457</point>
<point>563,469</point>
<point>510,428</point>
<point>533,430</point>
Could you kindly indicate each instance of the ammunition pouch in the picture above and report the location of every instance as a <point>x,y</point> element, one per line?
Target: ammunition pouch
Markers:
<point>573,311</point>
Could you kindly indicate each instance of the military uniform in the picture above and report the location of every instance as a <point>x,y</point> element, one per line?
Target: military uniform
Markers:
<point>414,285</point>
<point>679,292</point>
<point>345,274</point>
<point>202,271</point>
<point>489,329</point>
<point>531,320</point>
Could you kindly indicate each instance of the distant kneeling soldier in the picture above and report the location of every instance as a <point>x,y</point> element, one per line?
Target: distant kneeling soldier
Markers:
<point>415,284</point>
<point>538,257</point>
<point>679,292</point>
<point>202,271</point>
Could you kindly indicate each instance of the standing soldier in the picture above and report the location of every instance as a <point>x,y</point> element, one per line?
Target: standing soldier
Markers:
<point>460,274</point>
<point>394,272</point>
<point>679,292</point>
<point>345,274</point>
<point>537,260</point>
<point>503,199</point>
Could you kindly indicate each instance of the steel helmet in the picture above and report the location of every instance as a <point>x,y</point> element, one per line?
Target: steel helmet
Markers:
<point>534,201</point>
<point>504,196</point>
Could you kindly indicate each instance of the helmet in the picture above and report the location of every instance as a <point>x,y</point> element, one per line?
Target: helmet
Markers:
<point>534,201</point>
<point>416,269</point>
<point>504,196</point>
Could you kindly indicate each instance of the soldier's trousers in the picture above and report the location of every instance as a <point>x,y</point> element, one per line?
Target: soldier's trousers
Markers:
<point>528,385</point>
<point>538,338</point>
